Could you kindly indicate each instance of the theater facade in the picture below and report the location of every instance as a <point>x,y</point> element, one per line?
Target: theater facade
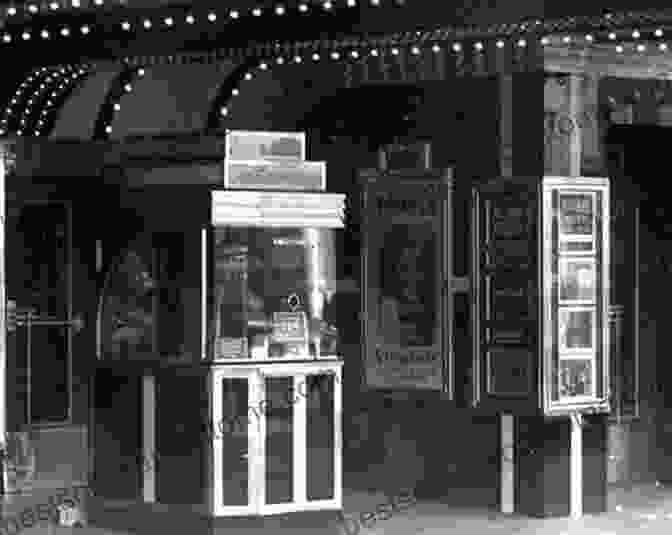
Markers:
<point>368,248</point>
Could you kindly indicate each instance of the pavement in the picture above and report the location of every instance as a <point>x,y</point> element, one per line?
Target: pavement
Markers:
<point>644,508</point>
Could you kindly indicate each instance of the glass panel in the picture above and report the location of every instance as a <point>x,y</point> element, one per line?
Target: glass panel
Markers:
<point>577,280</point>
<point>233,432</point>
<point>319,393</point>
<point>127,328</point>
<point>576,329</point>
<point>279,439</point>
<point>576,215</point>
<point>274,293</point>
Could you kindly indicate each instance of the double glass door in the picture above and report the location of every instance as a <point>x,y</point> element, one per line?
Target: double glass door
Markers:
<point>276,438</point>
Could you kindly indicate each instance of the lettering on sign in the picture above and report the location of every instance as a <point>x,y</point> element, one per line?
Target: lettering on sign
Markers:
<point>406,356</point>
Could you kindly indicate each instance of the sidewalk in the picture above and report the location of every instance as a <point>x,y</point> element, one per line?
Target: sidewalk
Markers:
<point>641,509</point>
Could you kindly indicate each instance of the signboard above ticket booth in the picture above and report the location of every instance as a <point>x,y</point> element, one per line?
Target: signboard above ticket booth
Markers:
<point>271,161</point>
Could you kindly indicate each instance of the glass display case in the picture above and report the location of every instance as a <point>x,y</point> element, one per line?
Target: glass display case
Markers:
<point>272,277</point>
<point>576,248</point>
<point>274,293</point>
<point>541,285</point>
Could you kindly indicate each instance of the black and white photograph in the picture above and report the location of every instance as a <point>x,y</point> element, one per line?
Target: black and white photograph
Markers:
<point>335,267</point>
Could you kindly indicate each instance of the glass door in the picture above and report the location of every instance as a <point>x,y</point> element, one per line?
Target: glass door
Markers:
<point>236,446</point>
<point>277,438</point>
<point>301,438</point>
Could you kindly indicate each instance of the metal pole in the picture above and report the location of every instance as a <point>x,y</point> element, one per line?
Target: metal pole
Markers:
<point>3,312</point>
<point>576,465</point>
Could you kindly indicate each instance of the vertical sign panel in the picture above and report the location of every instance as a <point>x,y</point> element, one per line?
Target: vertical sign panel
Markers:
<point>505,329</point>
<point>406,274</point>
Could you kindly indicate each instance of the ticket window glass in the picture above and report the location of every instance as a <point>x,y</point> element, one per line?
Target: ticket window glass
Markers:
<point>274,294</point>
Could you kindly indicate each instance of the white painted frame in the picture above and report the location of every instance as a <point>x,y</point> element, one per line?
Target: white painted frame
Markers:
<point>256,375</point>
<point>571,185</point>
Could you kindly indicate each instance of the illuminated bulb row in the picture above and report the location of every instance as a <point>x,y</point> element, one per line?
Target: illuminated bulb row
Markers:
<point>116,106</point>
<point>34,78</point>
<point>53,5</point>
<point>234,14</point>
<point>225,111</point>
<point>45,86</point>
<point>280,9</point>
<point>46,34</point>
<point>590,38</point>
<point>248,76</point>
<point>66,81</point>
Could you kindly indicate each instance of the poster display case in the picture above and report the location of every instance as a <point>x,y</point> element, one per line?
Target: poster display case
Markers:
<point>541,295</point>
<point>407,271</point>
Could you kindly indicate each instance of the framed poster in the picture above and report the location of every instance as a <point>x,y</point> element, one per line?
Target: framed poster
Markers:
<point>576,222</point>
<point>577,278</point>
<point>576,328</point>
<point>406,335</point>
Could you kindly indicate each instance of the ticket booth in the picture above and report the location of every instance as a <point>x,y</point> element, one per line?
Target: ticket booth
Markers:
<point>540,335</point>
<point>218,362</point>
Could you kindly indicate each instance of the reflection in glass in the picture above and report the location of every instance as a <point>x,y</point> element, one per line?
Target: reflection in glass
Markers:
<point>576,329</point>
<point>128,308</point>
<point>577,280</point>
<point>233,432</point>
<point>576,378</point>
<point>274,290</point>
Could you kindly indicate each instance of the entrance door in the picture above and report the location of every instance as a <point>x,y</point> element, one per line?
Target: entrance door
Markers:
<point>277,446</point>
<point>40,348</point>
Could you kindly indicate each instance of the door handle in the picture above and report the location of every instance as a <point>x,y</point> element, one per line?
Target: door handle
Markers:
<point>27,319</point>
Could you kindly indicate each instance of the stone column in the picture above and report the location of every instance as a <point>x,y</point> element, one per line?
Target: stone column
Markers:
<point>549,478</point>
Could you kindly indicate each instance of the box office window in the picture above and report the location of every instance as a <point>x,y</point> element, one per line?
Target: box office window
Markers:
<point>274,293</point>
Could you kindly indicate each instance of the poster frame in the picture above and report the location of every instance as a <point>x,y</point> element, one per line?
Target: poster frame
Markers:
<point>428,183</point>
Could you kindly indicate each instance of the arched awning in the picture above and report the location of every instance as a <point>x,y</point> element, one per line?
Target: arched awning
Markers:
<point>163,100</point>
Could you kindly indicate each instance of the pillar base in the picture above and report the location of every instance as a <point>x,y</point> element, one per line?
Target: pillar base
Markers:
<point>543,466</point>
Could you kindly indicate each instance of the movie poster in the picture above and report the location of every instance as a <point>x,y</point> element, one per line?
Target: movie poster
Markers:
<point>406,268</point>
